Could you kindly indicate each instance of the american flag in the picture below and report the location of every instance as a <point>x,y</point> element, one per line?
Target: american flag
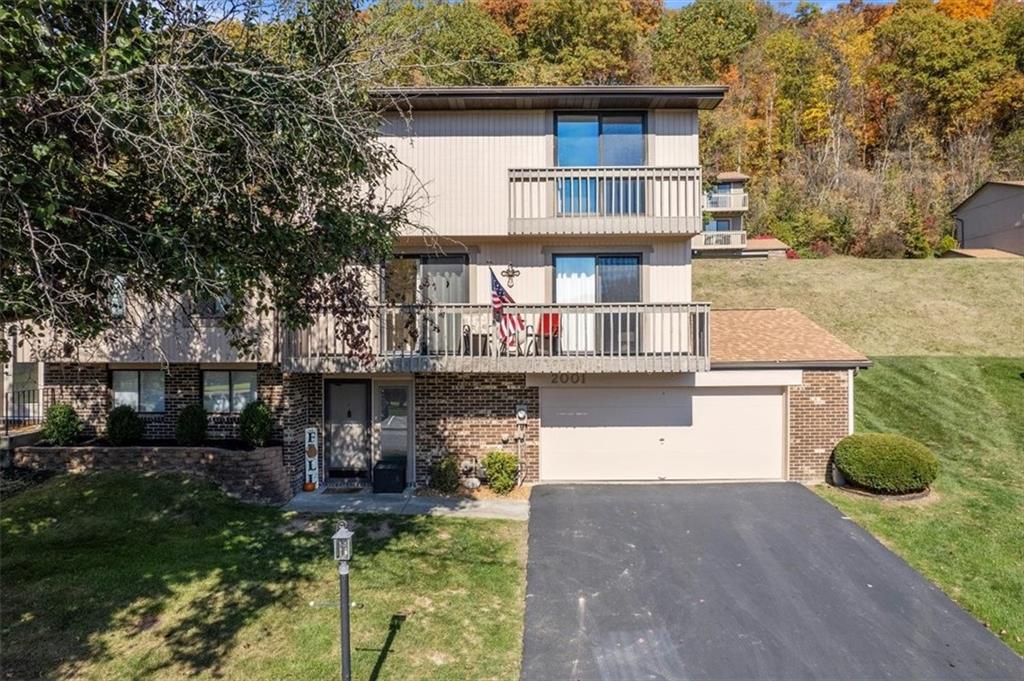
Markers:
<point>509,325</point>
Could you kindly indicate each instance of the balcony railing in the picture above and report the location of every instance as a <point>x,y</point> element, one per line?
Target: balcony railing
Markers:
<point>20,409</point>
<point>708,241</point>
<point>604,200</point>
<point>730,201</point>
<point>605,337</point>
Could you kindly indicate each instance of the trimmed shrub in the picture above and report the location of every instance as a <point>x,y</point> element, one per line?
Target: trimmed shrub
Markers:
<point>502,469</point>
<point>255,424</point>
<point>124,427</point>
<point>886,463</point>
<point>62,425</point>
<point>191,429</point>
<point>444,474</point>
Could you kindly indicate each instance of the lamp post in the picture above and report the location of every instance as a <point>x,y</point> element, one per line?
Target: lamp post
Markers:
<point>342,540</point>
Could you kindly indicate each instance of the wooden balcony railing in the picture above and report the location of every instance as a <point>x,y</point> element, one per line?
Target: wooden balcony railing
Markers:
<point>605,200</point>
<point>709,241</point>
<point>603,337</point>
<point>729,201</point>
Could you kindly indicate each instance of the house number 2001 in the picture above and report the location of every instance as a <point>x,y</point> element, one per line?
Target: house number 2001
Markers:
<point>566,379</point>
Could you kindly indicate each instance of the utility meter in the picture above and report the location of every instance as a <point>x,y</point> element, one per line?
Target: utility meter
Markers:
<point>521,414</point>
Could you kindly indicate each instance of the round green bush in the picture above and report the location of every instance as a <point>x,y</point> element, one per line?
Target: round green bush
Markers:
<point>62,425</point>
<point>255,424</point>
<point>886,463</point>
<point>191,429</point>
<point>444,474</point>
<point>124,427</point>
<point>502,470</point>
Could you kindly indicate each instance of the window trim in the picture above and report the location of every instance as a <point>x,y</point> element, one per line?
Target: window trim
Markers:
<point>138,387</point>
<point>600,113</point>
<point>231,389</point>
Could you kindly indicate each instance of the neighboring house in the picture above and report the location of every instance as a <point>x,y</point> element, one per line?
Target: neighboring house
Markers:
<point>584,202</point>
<point>991,219</point>
<point>725,235</point>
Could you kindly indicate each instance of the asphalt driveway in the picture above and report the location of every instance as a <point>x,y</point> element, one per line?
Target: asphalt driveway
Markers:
<point>738,581</point>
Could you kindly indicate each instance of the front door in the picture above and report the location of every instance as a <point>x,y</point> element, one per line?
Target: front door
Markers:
<point>347,425</point>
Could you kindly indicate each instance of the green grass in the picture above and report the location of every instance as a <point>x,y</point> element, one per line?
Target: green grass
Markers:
<point>968,538</point>
<point>884,307</point>
<point>113,576</point>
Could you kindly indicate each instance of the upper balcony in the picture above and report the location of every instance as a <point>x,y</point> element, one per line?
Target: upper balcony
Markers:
<point>604,200</point>
<point>547,338</point>
<point>728,201</point>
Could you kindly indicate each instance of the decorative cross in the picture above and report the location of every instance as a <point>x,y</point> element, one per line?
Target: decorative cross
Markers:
<point>510,275</point>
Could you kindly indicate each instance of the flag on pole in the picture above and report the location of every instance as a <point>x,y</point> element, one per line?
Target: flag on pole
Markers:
<point>509,325</point>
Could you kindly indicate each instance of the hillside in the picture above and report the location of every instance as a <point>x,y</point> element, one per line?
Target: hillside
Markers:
<point>884,307</point>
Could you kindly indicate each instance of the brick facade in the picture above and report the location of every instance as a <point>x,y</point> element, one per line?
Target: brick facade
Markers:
<point>818,419</point>
<point>470,415</point>
<point>86,387</point>
<point>258,475</point>
<point>301,407</point>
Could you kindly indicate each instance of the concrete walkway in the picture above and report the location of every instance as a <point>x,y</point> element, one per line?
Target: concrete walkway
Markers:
<point>407,504</point>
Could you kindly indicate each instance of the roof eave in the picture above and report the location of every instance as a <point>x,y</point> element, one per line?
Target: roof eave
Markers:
<point>552,97</point>
<point>863,363</point>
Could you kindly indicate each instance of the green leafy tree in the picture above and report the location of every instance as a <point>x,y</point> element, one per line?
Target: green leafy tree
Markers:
<point>155,152</point>
<point>700,41</point>
<point>579,42</point>
<point>444,43</point>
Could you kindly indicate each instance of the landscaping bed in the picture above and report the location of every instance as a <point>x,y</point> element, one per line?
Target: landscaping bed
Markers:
<point>116,575</point>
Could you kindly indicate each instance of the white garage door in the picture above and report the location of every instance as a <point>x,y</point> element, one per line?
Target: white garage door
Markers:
<point>661,433</point>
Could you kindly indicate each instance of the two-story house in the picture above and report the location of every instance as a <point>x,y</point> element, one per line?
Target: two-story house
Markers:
<point>549,313</point>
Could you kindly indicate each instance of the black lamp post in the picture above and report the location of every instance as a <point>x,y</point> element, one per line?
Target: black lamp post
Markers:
<point>342,540</point>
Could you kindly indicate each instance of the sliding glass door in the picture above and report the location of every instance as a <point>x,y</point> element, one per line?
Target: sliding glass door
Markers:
<point>599,279</point>
<point>599,140</point>
<point>425,280</point>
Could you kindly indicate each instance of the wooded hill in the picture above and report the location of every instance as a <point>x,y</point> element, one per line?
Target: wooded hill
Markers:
<point>862,125</point>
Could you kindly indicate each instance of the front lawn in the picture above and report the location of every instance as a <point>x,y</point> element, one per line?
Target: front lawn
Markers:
<point>968,538</point>
<point>114,576</point>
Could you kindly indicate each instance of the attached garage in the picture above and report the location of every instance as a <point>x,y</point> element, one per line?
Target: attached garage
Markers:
<point>662,433</point>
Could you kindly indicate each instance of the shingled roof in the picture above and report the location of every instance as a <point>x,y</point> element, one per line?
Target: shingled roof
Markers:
<point>776,337</point>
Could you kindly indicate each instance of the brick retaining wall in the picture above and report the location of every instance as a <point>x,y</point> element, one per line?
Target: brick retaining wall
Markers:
<point>256,476</point>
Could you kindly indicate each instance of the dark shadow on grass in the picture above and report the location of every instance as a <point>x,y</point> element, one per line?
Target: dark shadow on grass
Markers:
<point>393,627</point>
<point>90,554</point>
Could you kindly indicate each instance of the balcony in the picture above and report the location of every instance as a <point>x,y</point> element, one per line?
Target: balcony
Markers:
<point>604,200</point>
<point>734,201</point>
<point>603,337</point>
<point>720,241</point>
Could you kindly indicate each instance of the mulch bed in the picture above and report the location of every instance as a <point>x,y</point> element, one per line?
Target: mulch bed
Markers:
<point>861,492</point>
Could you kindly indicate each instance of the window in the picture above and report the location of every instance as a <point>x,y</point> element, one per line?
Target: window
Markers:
<point>599,139</point>
<point>720,225</point>
<point>227,392</point>
<point>143,391</point>
<point>117,298</point>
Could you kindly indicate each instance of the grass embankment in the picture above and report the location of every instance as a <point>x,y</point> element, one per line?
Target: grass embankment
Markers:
<point>968,536</point>
<point>113,576</point>
<point>884,307</point>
